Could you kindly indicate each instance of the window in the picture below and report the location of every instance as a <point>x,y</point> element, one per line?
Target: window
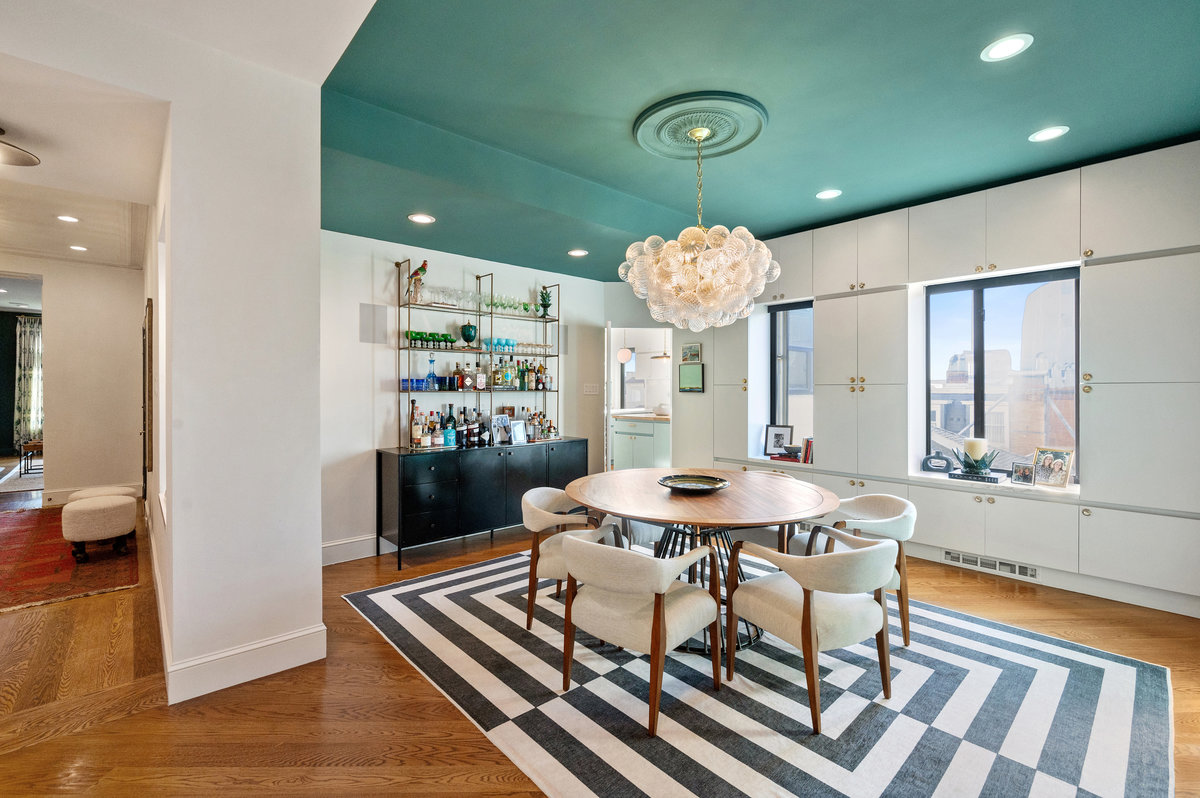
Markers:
<point>792,367</point>
<point>1001,357</point>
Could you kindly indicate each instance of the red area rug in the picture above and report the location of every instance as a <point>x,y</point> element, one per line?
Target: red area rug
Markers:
<point>36,566</point>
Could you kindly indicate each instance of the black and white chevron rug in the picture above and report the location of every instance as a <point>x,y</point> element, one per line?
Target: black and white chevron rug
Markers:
<point>977,708</point>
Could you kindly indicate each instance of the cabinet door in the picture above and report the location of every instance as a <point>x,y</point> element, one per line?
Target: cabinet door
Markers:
<point>730,423</point>
<point>565,461</point>
<point>1138,320</point>
<point>835,428</point>
<point>731,349</point>
<point>835,341</point>
<point>662,445</point>
<point>1039,533</point>
<point>883,430</point>
<point>946,238</point>
<point>1142,203</point>
<point>622,451</point>
<point>794,254</point>
<point>524,468</point>
<point>842,487</point>
<point>1133,453</point>
<point>1154,550</point>
<point>948,518</point>
<point>835,258</point>
<point>882,338</point>
<point>883,249</point>
<point>481,488</point>
<point>643,451</point>
<point>1033,222</point>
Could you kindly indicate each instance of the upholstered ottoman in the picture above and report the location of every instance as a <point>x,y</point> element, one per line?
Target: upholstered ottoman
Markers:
<point>104,490</point>
<point>98,518</point>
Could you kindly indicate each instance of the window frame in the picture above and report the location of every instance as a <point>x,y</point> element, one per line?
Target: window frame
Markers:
<point>979,354</point>
<point>773,311</point>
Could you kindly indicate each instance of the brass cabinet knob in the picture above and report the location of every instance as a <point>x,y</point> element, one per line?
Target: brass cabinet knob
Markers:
<point>1087,389</point>
<point>991,499</point>
<point>979,499</point>
<point>1086,511</point>
<point>1087,376</point>
<point>862,285</point>
<point>854,379</point>
<point>991,267</point>
<point>851,389</point>
<point>861,484</point>
<point>743,388</point>
<point>743,468</point>
<point>782,296</point>
<point>851,482</point>
<point>1087,253</point>
<point>861,389</point>
<point>851,286</point>
<point>743,380</point>
<point>862,379</point>
<point>978,268</point>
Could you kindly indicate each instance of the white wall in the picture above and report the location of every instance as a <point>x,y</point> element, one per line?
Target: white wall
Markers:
<point>242,572</point>
<point>92,378</point>
<point>359,402</point>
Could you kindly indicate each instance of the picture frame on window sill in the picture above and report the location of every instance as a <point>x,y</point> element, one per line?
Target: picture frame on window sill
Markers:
<point>1052,467</point>
<point>1022,474</point>
<point>778,436</point>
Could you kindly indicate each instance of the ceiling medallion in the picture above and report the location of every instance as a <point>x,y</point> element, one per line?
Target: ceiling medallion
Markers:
<point>708,277</point>
<point>733,121</point>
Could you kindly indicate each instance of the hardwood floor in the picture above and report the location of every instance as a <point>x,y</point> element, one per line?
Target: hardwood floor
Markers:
<point>363,721</point>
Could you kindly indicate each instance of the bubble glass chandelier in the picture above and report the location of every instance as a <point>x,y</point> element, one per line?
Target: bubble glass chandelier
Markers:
<point>708,277</point>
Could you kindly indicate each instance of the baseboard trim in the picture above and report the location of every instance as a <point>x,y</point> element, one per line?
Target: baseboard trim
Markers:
<point>1154,598</point>
<point>211,672</point>
<point>57,498</point>
<point>346,549</point>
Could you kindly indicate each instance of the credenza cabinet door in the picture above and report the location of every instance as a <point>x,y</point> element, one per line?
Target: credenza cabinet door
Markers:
<point>947,238</point>
<point>1142,203</point>
<point>795,256</point>
<point>1032,532</point>
<point>1033,223</point>
<point>1153,550</point>
<point>948,518</point>
<point>1133,454</point>
<point>482,490</point>
<point>1138,320</point>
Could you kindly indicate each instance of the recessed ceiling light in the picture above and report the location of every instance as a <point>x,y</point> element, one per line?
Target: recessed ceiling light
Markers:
<point>3,290</point>
<point>829,193</point>
<point>78,248</point>
<point>1048,133</point>
<point>577,253</point>
<point>421,218</point>
<point>67,219</point>
<point>1007,47</point>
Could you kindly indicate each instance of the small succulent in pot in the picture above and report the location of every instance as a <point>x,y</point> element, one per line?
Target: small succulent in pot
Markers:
<point>970,465</point>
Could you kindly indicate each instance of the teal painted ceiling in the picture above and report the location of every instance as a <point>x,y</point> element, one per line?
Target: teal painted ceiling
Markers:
<point>512,121</point>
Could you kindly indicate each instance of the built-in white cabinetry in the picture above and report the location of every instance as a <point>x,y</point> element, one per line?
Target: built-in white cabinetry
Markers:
<point>641,443</point>
<point>1006,527</point>
<point>1154,550</point>
<point>861,431</point>
<point>861,339</point>
<point>795,256</point>
<point>731,428</point>
<point>1031,223</point>
<point>1143,203</point>
<point>848,488</point>
<point>861,254</point>
<point>730,353</point>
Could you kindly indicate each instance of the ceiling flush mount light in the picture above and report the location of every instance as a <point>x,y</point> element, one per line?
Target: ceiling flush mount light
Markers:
<point>67,219</point>
<point>78,248</point>
<point>1049,133</point>
<point>708,277</point>
<point>829,193</point>
<point>12,155</point>
<point>421,218</point>
<point>624,355</point>
<point>1007,47</point>
<point>577,253</point>
<point>3,290</point>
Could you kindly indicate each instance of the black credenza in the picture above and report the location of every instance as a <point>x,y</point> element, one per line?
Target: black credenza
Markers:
<point>424,496</point>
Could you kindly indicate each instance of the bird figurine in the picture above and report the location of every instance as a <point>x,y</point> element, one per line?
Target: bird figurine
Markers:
<point>413,292</point>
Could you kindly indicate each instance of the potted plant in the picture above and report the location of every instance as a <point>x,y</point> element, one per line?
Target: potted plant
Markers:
<point>544,301</point>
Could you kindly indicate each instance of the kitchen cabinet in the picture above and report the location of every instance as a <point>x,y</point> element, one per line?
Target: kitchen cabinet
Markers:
<point>998,525</point>
<point>861,254</point>
<point>795,256</point>
<point>1031,223</point>
<point>861,339</point>
<point>1142,203</point>
<point>1154,550</point>
<point>641,443</point>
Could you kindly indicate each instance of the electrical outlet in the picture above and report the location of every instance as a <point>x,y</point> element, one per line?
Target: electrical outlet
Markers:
<point>591,389</point>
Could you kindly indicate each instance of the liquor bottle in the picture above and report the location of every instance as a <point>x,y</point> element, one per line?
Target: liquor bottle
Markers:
<point>498,373</point>
<point>540,382</point>
<point>457,377</point>
<point>450,421</point>
<point>427,431</point>
<point>449,431</point>
<point>521,376</point>
<point>481,380</point>
<point>506,374</point>
<point>414,428</point>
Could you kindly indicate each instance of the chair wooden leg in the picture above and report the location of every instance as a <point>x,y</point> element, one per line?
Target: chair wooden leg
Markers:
<point>534,552</point>
<point>902,593</point>
<point>714,642</point>
<point>808,636</point>
<point>568,635</point>
<point>558,589</point>
<point>884,649</point>
<point>658,655</point>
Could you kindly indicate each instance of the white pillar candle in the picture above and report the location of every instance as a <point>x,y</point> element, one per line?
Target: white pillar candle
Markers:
<point>975,447</point>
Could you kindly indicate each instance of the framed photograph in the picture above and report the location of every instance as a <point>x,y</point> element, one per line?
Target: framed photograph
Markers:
<point>691,353</point>
<point>1022,473</point>
<point>691,378</point>
<point>517,431</point>
<point>778,436</point>
<point>1052,467</point>
<point>500,428</point>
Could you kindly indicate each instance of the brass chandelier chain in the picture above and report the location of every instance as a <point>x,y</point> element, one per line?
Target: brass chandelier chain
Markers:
<point>699,183</point>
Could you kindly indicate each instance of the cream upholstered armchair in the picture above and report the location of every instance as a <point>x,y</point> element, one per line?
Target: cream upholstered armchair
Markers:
<point>885,516</point>
<point>548,514</point>
<point>816,603</point>
<point>637,602</point>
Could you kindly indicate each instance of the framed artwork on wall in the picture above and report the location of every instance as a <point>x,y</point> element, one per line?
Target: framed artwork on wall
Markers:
<point>691,378</point>
<point>691,353</point>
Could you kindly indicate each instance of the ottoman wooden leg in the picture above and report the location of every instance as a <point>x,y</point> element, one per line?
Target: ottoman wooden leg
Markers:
<point>78,549</point>
<point>118,545</point>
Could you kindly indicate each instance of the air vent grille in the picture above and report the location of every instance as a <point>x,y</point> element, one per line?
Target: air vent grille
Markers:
<point>990,564</point>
